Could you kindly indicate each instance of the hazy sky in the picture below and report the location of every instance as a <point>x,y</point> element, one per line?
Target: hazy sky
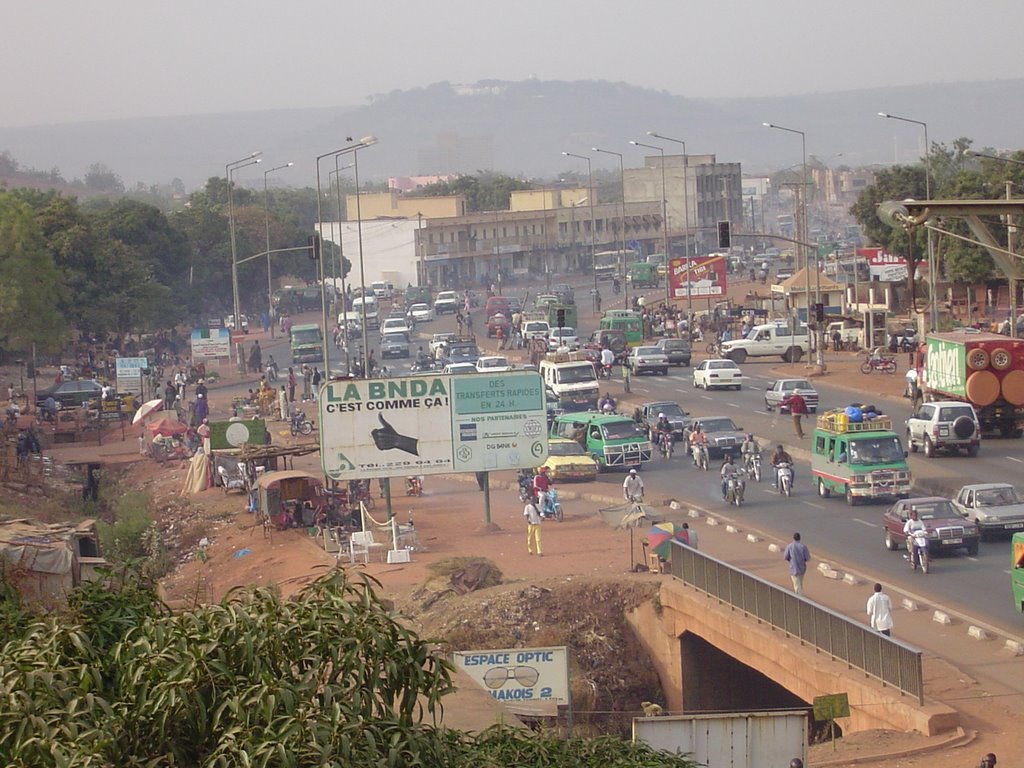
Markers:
<point>69,60</point>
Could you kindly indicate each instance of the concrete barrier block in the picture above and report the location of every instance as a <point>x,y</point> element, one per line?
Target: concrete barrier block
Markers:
<point>774,548</point>
<point>830,573</point>
<point>940,617</point>
<point>852,580</point>
<point>977,633</point>
<point>694,513</point>
<point>673,504</point>
<point>910,605</point>
<point>752,538</point>
<point>731,529</point>
<point>712,521</point>
<point>1015,647</point>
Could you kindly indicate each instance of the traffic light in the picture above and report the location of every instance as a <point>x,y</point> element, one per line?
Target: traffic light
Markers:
<point>819,312</point>
<point>724,234</point>
<point>561,318</point>
<point>314,246</point>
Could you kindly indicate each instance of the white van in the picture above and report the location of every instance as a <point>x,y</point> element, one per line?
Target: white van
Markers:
<point>382,289</point>
<point>573,382</point>
<point>368,308</point>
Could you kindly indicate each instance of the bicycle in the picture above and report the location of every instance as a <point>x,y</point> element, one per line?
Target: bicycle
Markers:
<point>714,348</point>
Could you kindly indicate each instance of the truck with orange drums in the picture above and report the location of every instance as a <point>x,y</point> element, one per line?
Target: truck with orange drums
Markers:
<point>983,369</point>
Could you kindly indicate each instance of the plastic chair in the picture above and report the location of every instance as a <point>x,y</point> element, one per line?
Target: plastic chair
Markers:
<point>362,543</point>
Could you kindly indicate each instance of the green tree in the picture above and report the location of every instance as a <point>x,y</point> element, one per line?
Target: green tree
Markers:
<point>328,678</point>
<point>100,178</point>
<point>487,191</point>
<point>30,285</point>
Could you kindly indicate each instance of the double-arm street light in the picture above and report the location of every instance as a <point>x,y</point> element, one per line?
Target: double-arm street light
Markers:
<point>364,142</point>
<point>686,222</point>
<point>802,238</point>
<point>933,302</point>
<point>664,214</point>
<point>590,201</point>
<point>229,170</point>
<point>622,253</point>
<point>266,219</point>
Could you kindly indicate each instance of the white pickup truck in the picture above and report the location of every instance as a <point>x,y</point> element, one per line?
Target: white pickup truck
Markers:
<point>767,341</point>
<point>850,336</point>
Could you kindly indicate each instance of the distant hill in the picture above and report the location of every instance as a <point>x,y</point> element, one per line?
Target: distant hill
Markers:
<point>522,127</point>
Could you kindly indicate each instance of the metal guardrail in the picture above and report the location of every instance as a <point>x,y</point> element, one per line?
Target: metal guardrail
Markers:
<point>890,661</point>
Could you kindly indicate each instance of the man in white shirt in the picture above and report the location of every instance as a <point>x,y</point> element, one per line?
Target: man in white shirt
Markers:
<point>533,520</point>
<point>917,538</point>
<point>633,487</point>
<point>880,611</point>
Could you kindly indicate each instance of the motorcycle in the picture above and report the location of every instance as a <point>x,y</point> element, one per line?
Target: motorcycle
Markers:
<point>666,444</point>
<point>423,365</point>
<point>753,466</point>
<point>918,554</point>
<point>551,509</point>
<point>883,364</point>
<point>700,456</point>
<point>605,371</point>
<point>525,481</point>
<point>734,489</point>
<point>414,486</point>
<point>300,425</point>
<point>785,471</point>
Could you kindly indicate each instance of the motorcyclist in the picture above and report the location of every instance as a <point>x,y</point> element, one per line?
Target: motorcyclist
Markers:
<point>607,360</point>
<point>780,456</point>
<point>698,439</point>
<point>662,429</point>
<point>271,368</point>
<point>541,484</point>
<point>917,537</point>
<point>729,470</point>
<point>633,487</point>
<point>607,403</point>
<point>749,449</point>
<point>421,357</point>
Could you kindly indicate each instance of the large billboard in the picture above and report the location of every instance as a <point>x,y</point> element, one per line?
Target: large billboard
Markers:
<point>422,425</point>
<point>883,266</point>
<point>529,681</point>
<point>699,276</point>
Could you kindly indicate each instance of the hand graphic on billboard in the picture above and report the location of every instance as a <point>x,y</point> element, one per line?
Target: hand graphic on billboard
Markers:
<point>386,438</point>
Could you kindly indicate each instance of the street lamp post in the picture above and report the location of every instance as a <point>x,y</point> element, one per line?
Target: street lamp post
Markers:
<point>622,252</point>
<point>229,170</point>
<point>320,228</point>
<point>1011,230</point>
<point>266,218</point>
<point>686,224</point>
<point>590,202</point>
<point>341,261</point>
<point>933,313</point>
<point>664,214</point>
<point>819,353</point>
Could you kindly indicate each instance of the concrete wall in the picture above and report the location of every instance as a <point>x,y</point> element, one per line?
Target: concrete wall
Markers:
<point>389,249</point>
<point>377,205</point>
<point>803,672</point>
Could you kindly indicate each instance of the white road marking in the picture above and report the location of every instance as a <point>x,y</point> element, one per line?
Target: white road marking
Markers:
<point>812,504</point>
<point>680,389</point>
<point>864,522</point>
<point>1014,458</point>
<point>732,405</point>
<point>707,397</point>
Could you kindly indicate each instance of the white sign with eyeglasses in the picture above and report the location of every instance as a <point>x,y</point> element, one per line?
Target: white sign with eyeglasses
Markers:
<point>529,681</point>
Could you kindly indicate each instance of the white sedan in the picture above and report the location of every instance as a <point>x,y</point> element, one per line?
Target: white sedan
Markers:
<point>560,337</point>
<point>717,373</point>
<point>493,364</point>
<point>420,313</point>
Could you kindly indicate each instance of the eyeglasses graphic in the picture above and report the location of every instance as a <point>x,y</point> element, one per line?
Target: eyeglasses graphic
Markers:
<point>496,677</point>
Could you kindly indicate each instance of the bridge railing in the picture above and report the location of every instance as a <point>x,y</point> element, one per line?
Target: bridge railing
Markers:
<point>888,660</point>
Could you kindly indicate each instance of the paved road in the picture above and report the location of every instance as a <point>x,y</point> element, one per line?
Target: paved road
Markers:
<point>978,586</point>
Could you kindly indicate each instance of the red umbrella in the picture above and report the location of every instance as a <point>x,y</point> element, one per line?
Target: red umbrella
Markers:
<point>167,427</point>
